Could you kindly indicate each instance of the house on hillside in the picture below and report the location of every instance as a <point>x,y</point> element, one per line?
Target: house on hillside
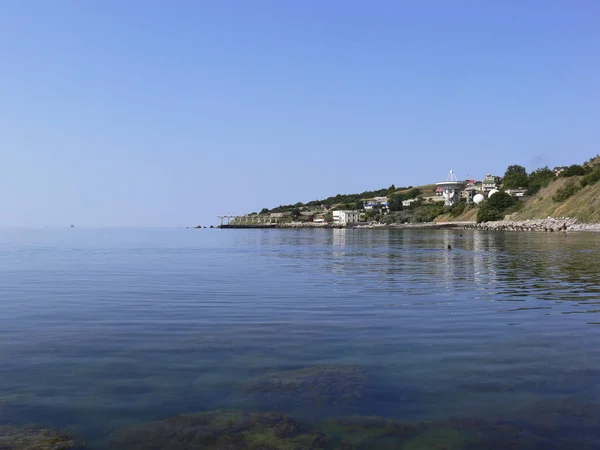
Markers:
<point>376,202</point>
<point>280,215</point>
<point>558,169</point>
<point>409,202</point>
<point>516,192</point>
<point>345,217</point>
<point>491,182</point>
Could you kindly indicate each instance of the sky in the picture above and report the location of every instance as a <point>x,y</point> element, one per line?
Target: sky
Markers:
<point>156,113</point>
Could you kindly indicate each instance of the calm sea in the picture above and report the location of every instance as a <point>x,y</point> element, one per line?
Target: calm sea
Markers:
<point>100,328</point>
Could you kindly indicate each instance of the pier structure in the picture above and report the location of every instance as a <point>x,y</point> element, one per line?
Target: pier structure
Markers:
<point>248,220</point>
<point>226,220</point>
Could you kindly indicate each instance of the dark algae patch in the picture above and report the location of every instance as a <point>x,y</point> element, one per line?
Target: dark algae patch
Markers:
<point>320,386</point>
<point>222,430</point>
<point>31,437</point>
<point>274,431</point>
<point>382,434</point>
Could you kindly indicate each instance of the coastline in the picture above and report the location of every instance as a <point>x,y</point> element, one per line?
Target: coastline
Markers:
<point>531,225</point>
<point>537,225</point>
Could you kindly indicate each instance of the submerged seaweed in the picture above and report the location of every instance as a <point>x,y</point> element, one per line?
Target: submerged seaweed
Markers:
<point>273,431</point>
<point>318,385</point>
<point>32,437</point>
<point>383,434</point>
<point>221,430</point>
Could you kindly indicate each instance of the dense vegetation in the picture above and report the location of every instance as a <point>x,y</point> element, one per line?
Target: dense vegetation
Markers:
<point>565,192</point>
<point>347,201</point>
<point>591,178</point>
<point>515,177</point>
<point>418,212</point>
<point>539,179</point>
<point>458,208</point>
<point>496,207</point>
<point>395,201</point>
<point>573,171</point>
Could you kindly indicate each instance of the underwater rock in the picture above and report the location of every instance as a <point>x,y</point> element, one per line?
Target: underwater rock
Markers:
<point>32,437</point>
<point>383,434</point>
<point>572,418</point>
<point>318,385</point>
<point>220,430</point>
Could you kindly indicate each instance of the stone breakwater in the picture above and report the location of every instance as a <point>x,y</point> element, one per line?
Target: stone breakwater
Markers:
<point>546,225</point>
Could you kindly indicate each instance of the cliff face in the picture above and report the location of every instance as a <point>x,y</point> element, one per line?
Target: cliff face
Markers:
<point>584,205</point>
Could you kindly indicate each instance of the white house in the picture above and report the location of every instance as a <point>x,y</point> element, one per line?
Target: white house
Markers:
<point>409,201</point>
<point>377,201</point>
<point>345,217</point>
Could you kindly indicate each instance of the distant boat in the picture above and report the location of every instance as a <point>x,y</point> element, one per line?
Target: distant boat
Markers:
<point>72,226</point>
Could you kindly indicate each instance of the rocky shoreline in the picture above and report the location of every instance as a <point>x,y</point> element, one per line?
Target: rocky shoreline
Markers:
<point>541,225</point>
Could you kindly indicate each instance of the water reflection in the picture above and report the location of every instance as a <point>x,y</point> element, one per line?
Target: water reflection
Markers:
<point>368,322</point>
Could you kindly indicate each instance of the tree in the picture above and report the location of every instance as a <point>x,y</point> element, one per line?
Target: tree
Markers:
<point>395,202</point>
<point>539,179</point>
<point>515,177</point>
<point>413,193</point>
<point>264,211</point>
<point>295,213</point>
<point>572,171</point>
<point>496,207</point>
<point>358,206</point>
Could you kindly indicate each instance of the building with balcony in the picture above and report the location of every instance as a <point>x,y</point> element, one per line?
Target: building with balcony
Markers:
<point>345,217</point>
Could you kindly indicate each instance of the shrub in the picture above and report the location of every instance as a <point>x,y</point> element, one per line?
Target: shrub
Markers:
<point>591,178</point>
<point>418,213</point>
<point>565,192</point>
<point>573,171</point>
<point>458,208</point>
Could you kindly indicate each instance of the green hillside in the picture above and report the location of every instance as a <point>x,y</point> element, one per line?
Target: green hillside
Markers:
<point>583,205</point>
<point>572,191</point>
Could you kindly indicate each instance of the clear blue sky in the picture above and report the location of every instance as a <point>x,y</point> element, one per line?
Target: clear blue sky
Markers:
<point>157,113</point>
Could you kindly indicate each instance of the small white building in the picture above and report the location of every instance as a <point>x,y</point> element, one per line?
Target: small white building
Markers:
<point>345,217</point>
<point>409,201</point>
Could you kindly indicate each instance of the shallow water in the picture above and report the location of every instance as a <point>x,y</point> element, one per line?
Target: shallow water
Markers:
<point>101,328</point>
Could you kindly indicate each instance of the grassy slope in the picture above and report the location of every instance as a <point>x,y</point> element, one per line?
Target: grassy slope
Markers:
<point>467,216</point>
<point>427,190</point>
<point>583,206</point>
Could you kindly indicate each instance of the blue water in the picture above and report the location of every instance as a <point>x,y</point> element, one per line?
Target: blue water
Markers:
<point>100,328</point>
